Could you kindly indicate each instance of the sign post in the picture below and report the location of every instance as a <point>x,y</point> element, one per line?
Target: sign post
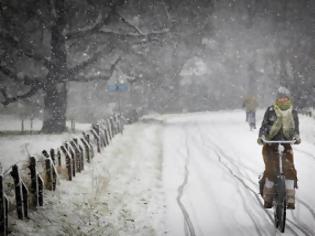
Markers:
<point>118,87</point>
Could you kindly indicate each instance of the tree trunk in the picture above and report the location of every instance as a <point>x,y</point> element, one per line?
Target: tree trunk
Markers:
<point>55,106</point>
<point>55,100</point>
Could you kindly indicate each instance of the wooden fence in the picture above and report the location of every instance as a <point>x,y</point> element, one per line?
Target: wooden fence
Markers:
<point>22,188</point>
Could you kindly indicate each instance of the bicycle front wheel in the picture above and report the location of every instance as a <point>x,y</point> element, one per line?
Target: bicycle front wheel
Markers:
<point>280,216</point>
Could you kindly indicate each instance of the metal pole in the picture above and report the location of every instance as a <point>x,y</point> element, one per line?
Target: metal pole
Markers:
<point>119,103</point>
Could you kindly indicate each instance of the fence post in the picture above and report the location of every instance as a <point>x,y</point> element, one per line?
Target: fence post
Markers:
<point>59,157</point>
<point>40,192</point>
<point>45,154</point>
<point>97,137</point>
<point>106,137</point>
<point>112,126</point>
<point>91,148</point>
<point>68,162</point>
<point>80,150</point>
<point>102,137</point>
<point>87,150</point>
<point>3,210</point>
<point>48,174</point>
<point>90,145</point>
<point>25,199</point>
<point>18,192</point>
<point>86,137</point>
<point>51,172</point>
<point>76,156</point>
<point>37,184</point>
<point>73,160</point>
<point>34,181</point>
<point>109,128</point>
<point>52,155</point>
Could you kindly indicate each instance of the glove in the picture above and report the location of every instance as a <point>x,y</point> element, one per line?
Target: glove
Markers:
<point>297,139</point>
<point>260,140</point>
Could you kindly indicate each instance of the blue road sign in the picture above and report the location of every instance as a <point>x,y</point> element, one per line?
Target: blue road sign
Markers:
<point>117,87</point>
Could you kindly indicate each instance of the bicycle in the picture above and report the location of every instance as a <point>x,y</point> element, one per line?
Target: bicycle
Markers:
<point>280,198</point>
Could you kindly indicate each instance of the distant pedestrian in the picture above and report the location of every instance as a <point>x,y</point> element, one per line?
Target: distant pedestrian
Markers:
<point>250,105</point>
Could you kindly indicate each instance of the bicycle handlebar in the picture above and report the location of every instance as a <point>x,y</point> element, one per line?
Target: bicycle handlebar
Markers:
<point>279,141</point>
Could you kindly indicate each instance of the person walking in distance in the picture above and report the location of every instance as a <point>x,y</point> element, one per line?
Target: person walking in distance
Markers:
<point>250,104</point>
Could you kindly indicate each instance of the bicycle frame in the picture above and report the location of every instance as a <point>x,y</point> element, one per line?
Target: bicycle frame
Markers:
<point>280,202</point>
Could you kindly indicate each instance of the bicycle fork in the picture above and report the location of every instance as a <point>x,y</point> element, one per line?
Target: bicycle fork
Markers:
<point>280,182</point>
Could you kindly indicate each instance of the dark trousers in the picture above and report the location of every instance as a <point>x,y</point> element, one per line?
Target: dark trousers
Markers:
<point>271,159</point>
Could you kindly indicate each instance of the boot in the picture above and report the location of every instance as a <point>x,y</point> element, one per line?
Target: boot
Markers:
<point>268,193</point>
<point>290,198</point>
<point>290,191</point>
<point>261,183</point>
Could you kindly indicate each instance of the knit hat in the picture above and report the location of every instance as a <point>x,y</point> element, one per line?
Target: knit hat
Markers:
<point>283,92</point>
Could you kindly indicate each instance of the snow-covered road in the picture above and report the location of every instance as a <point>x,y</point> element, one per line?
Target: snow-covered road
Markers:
<point>192,174</point>
<point>217,162</point>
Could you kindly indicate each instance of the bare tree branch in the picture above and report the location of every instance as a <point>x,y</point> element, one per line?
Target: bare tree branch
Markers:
<point>91,78</point>
<point>143,38</point>
<point>166,10</point>
<point>25,50</point>
<point>26,79</point>
<point>97,77</point>
<point>7,100</point>
<point>77,69</point>
<point>33,11</point>
<point>140,32</point>
<point>9,73</point>
<point>99,23</point>
<point>129,24</point>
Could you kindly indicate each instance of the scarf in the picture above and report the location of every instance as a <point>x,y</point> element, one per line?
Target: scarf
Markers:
<point>284,121</point>
<point>284,105</point>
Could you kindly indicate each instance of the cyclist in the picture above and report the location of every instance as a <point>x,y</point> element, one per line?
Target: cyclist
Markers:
<point>280,123</point>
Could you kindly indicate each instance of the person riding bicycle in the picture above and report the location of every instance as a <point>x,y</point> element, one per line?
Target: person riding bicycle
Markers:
<point>280,123</point>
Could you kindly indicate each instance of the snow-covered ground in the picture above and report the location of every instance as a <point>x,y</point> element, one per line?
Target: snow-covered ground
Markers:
<point>13,123</point>
<point>192,174</point>
<point>16,148</point>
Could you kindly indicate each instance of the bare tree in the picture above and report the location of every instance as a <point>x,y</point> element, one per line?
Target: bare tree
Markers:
<point>44,32</point>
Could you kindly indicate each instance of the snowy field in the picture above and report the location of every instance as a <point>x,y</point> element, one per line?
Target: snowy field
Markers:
<point>16,148</point>
<point>191,174</point>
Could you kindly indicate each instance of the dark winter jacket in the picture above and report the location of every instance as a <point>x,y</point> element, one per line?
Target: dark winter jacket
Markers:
<point>270,117</point>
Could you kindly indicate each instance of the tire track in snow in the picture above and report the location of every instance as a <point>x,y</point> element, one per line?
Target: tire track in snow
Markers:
<point>303,203</point>
<point>220,153</point>
<point>306,153</point>
<point>235,163</point>
<point>307,230</point>
<point>269,214</point>
<point>189,227</point>
<point>247,209</point>
<point>308,207</point>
